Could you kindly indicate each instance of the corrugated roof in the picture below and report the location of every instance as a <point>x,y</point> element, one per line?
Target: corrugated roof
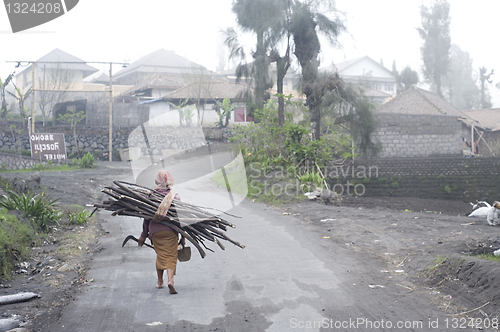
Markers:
<point>215,90</point>
<point>486,118</point>
<point>61,59</point>
<point>419,101</point>
<point>160,61</point>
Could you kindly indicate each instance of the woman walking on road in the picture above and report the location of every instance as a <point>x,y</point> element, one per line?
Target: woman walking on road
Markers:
<point>163,238</point>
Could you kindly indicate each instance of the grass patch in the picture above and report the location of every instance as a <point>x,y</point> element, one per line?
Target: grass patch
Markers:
<point>489,257</point>
<point>41,167</point>
<point>75,214</point>
<point>16,236</point>
<point>26,153</point>
<point>270,187</point>
<point>436,263</point>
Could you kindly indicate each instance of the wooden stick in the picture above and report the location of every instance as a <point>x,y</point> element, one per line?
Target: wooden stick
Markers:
<point>466,312</point>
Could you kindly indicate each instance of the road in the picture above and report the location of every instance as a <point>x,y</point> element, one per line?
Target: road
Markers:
<point>286,278</point>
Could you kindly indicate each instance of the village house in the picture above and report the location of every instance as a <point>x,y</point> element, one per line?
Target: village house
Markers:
<point>418,123</point>
<point>201,101</point>
<point>377,82</point>
<point>486,131</point>
<point>161,61</point>
<point>60,86</point>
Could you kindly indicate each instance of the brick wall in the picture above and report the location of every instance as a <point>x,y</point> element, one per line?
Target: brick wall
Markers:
<point>418,135</point>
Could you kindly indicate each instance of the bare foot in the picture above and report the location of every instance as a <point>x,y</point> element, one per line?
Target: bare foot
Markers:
<point>171,289</point>
<point>159,285</point>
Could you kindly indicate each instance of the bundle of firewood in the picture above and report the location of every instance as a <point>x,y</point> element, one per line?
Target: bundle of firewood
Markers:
<point>191,221</point>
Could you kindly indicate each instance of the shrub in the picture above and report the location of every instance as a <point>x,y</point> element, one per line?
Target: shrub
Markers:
<point>15,238</point>
<point>79,217</point>
<point>41,212</point>
<point>447,189</point>
<point>87,161</point>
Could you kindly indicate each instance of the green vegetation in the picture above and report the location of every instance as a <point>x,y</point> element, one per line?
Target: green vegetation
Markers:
<point>21,230</point>
<point>76,214</point>
<point>73,118</point>
<point>87,161</point>
<point>429,270</point>
<point>42,212</point>
<point>224,110</point>
<point>16,237</point>
<point>290,145</point>
<point>268,147</point>
<point>26,153</point>
<point>447,189</point>
<point>489,257</point>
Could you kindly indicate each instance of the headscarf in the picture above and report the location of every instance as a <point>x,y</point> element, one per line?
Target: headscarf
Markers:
<point>164,180</point>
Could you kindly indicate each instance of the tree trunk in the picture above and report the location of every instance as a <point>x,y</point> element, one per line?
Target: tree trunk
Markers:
<point>76,142</point>
<point>315,122</point>
<point>281,101</point>
<point>482,93</point>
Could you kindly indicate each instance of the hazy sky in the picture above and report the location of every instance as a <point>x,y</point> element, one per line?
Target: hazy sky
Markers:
<point>111,30</point>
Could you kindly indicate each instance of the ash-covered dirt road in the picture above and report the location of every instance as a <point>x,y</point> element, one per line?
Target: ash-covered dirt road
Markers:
<point>306,267</point>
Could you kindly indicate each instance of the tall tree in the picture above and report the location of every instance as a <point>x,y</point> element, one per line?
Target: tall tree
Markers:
<point>405,79</point>
<point>435,32</point>
<point>3,106</point>
<point>408,77</point>
<point>281,31</point>
<point>459,85</point>
<point>258,17</point>
<point>21,99</point>
<point>52,88</point>
<point>306,22</point>
<point>199,84</point>
<point>483,77</point>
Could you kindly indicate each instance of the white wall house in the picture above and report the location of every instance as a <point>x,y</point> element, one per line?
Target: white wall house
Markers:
<point>162,113</point>
<point>368,73</point>
<point>56,70</point>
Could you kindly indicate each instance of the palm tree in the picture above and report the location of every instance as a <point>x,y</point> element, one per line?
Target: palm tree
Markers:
<point>260,17</point>
<point>306,22</point>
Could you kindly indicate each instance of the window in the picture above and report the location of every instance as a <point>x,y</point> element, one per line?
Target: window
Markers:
<point>241,116</point>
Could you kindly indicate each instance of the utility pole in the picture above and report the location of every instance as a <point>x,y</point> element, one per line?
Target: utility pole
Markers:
<point>33,97</point>
<point>110,112</point>
<point>124,64</point>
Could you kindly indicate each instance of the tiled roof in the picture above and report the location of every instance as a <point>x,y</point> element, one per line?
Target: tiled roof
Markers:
<point>159,81</point>
<point>160,61</point>
<point>369,92</point>
<point>486,118</point>
<point>103,78</point>
<point>419,101</point>
<point>341,66</point>
<point>61,59</point>
<point>215,90</point>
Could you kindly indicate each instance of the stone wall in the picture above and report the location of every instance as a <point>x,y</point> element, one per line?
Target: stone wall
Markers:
<point>418,135</point>
<point>467,179</point>
<point>13,162</point>
<point>97,140</point>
